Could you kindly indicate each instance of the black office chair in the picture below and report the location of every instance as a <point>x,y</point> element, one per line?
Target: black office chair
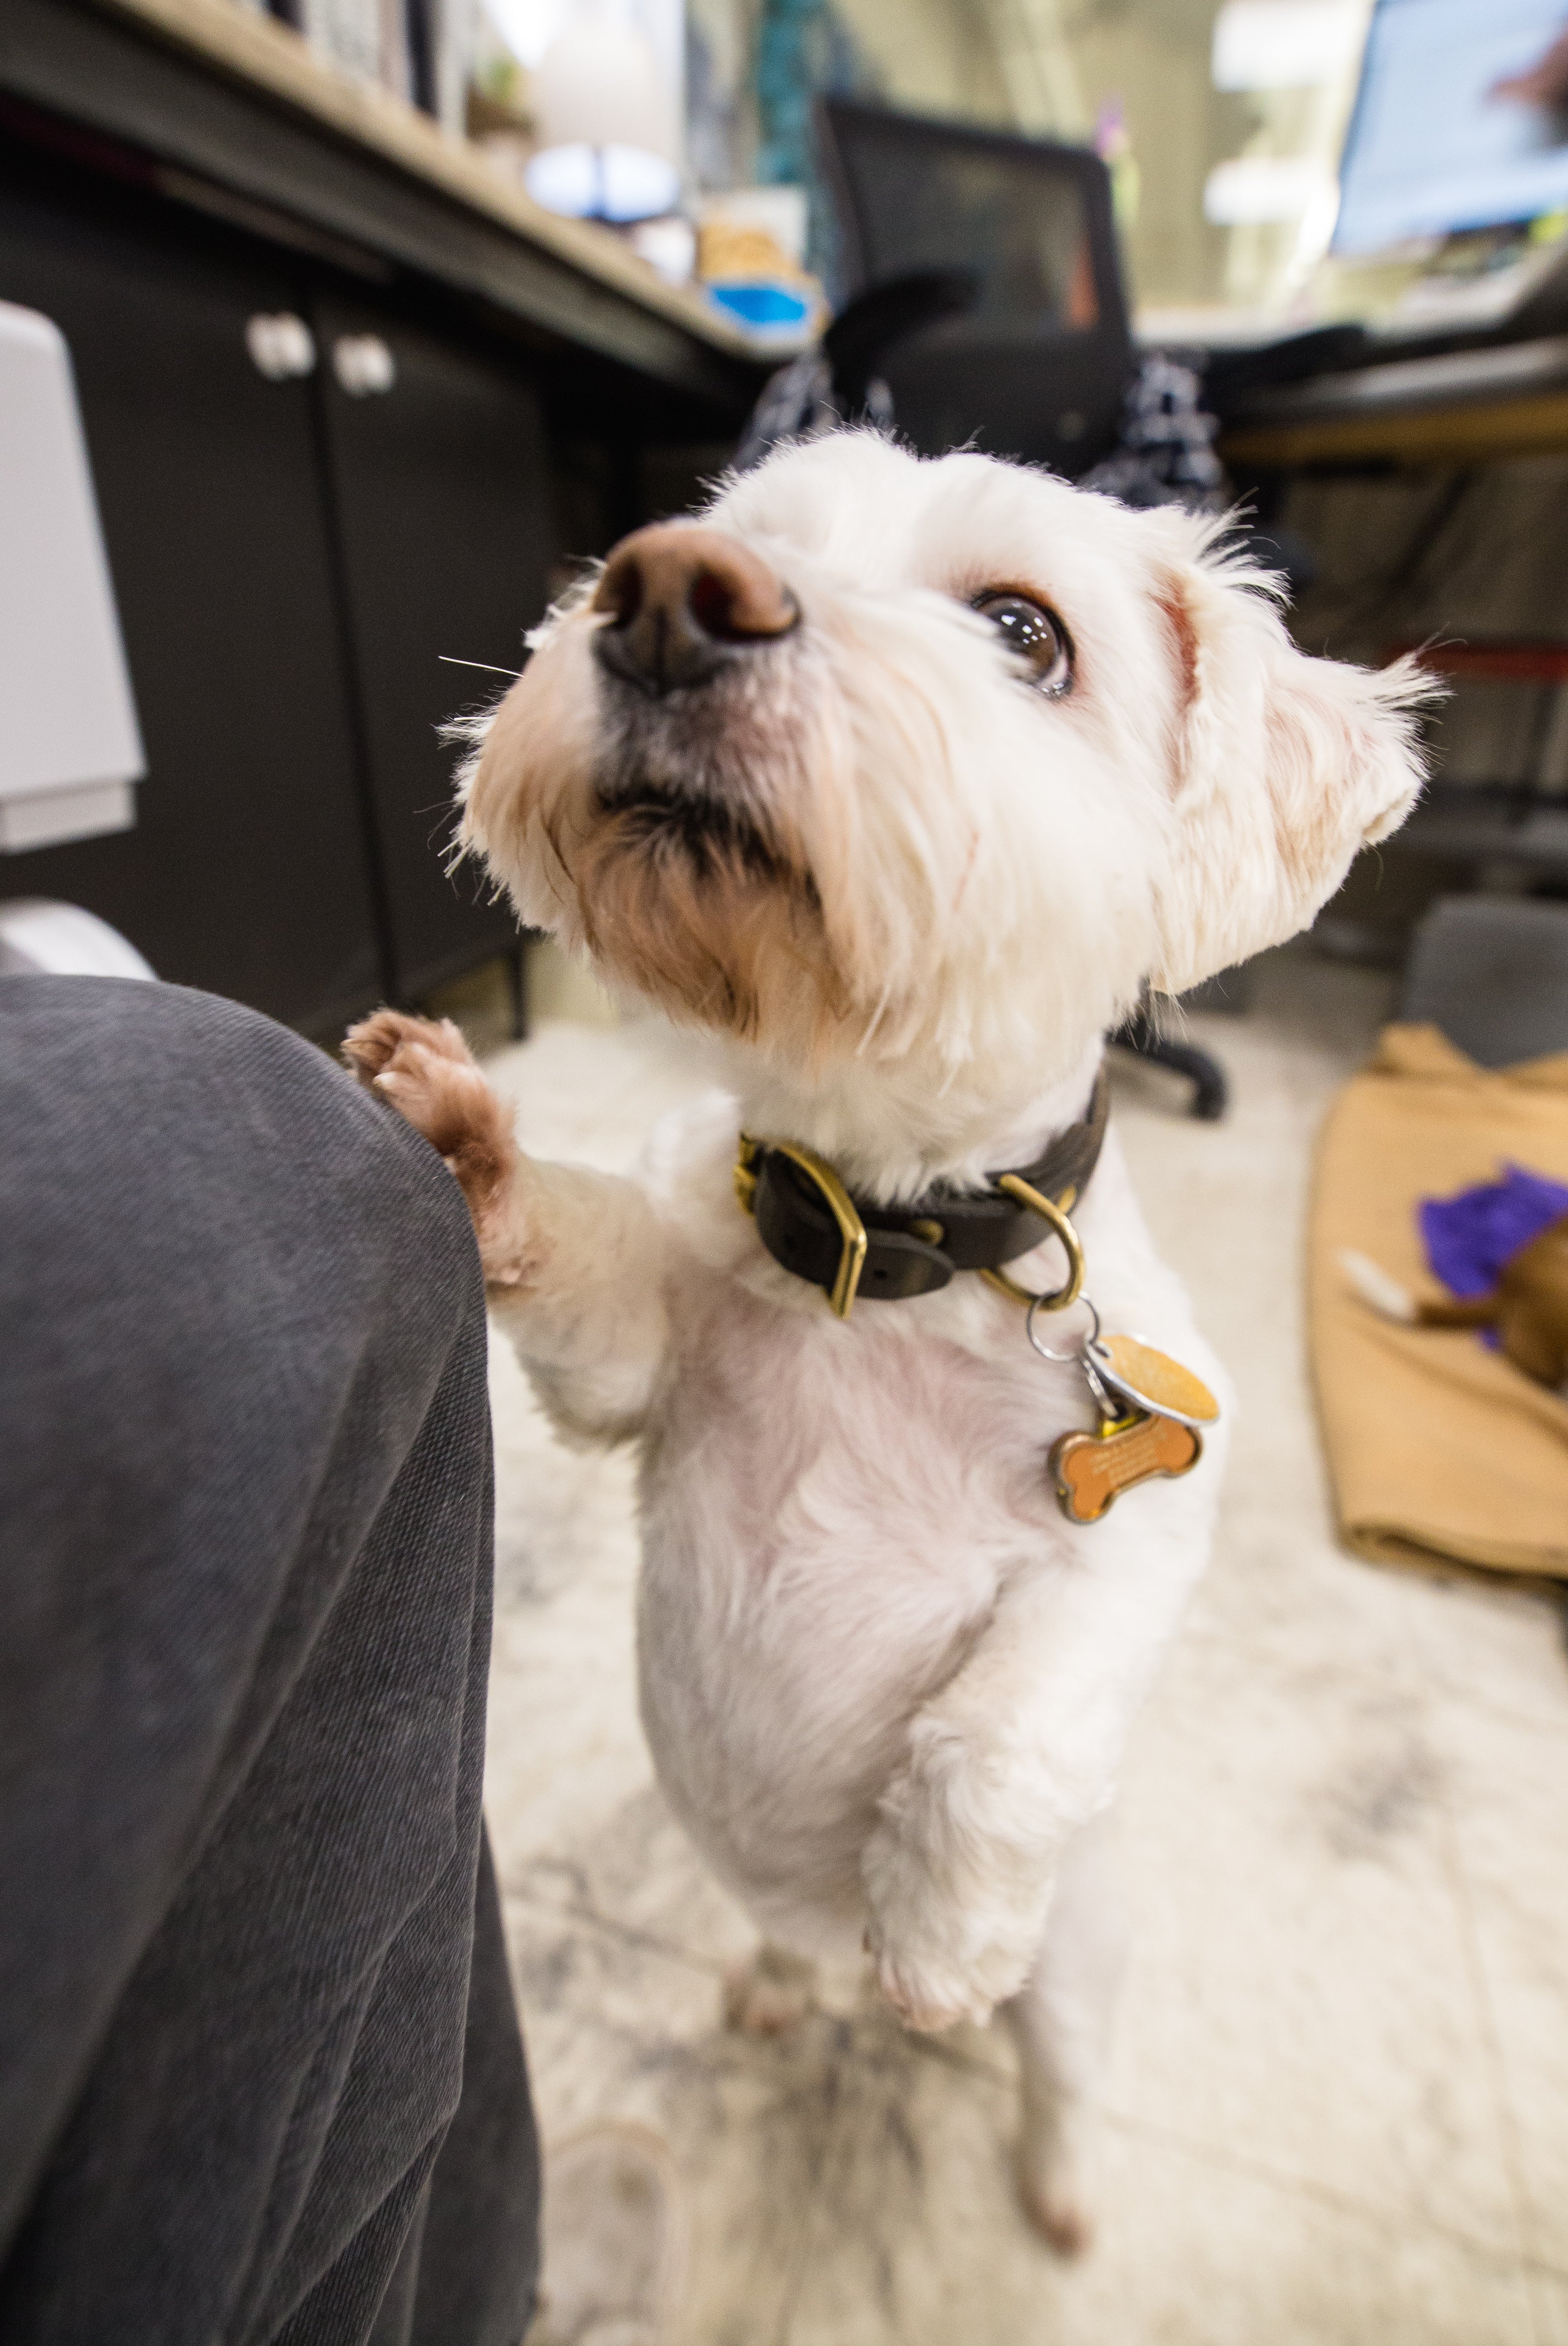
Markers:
<point>1039,364</point>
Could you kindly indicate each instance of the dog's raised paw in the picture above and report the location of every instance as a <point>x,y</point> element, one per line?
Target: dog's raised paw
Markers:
<point>424,1069</point>
<point>768,1994</point>
<point>371,1048</point>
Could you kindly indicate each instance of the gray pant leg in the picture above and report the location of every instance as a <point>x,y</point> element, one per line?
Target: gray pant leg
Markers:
<point>443,2295</point>
<point>244,1625</point>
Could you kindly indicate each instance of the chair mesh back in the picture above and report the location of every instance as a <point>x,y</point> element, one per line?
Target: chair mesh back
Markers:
<point>924,203</point>
<point>1038,367</point>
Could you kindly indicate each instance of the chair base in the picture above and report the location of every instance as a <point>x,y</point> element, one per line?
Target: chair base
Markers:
<point>1211,1092</point>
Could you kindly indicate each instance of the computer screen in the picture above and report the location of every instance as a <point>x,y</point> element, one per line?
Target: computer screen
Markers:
<point>1461,120</point>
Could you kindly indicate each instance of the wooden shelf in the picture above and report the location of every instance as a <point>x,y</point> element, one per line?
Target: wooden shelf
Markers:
<point>244,104</point>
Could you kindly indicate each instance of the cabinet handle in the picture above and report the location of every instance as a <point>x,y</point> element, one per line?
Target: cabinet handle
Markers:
<point>364,364</point>
<point>281,346</point>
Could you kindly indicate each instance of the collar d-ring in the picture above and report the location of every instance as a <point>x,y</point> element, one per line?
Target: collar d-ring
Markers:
<point>1055,1299</point>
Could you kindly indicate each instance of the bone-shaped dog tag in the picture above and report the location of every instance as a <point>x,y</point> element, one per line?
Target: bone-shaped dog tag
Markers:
<point>1150,1411</point>
<point>1143,1378</point>
<point>1091,1470</point>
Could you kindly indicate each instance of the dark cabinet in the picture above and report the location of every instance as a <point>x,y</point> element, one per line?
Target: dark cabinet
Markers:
<point>440,478</point>
<point>246,873</point>
<point>290,557</point>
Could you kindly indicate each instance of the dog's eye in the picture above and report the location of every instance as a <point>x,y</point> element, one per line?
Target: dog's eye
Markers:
<point>1035,635</point>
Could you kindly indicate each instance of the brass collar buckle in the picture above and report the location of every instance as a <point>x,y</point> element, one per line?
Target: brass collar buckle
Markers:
<point>853,1239</point>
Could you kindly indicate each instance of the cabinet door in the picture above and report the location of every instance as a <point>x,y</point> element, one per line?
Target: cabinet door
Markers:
<point>247,871</point>
<point>442,490</point>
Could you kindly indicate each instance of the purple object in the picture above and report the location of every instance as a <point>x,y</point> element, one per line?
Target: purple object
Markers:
<point>1468,1238</point>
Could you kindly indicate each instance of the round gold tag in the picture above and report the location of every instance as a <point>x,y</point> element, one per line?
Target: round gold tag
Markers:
<point>1153,1381</point>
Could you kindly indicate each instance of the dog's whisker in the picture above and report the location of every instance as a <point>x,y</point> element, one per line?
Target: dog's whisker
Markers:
<point>968,868</point>
<point>450,659</point>
<point>883,998</point>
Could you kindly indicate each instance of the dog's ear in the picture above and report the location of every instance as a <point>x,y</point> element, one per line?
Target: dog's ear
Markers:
<point>1282,766</point>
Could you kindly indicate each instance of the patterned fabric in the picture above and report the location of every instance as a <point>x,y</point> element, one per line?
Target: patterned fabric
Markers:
<point>1167,455</point>
<point>800,401</point>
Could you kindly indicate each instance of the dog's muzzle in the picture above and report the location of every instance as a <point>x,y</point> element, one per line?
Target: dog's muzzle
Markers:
<point>681,604</point>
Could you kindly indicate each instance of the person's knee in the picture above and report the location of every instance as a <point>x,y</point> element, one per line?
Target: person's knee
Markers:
<point>214,1237</point>
<point>166,1119</point>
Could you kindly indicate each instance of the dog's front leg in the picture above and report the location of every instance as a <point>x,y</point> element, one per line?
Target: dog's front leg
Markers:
<point>1015,1754</point>
<point>574,1260</point>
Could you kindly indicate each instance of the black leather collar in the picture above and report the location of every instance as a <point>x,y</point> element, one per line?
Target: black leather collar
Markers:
<point>808,1220</point>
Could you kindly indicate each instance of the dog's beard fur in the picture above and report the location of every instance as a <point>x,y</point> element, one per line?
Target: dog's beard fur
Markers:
<point>690,905</point>
<point>871,848</point>
<point>694,884</point>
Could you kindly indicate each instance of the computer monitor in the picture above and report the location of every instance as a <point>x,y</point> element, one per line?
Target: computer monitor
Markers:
<point>1461,121</point>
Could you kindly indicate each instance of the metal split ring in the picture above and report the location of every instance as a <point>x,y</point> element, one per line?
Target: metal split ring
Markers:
<point>1041,1303</point>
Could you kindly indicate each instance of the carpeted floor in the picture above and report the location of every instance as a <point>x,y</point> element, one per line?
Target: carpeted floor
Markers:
<point>1339,2100</point>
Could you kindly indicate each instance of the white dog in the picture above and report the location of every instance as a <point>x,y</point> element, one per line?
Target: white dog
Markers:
<point>902,779</point>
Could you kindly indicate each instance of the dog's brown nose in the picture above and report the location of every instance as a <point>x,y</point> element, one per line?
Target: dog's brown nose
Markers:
<point>682,602</point>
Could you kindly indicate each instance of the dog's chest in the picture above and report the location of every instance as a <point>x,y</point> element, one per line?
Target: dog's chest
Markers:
<point>879,1440</point>
<point>829,1515</point>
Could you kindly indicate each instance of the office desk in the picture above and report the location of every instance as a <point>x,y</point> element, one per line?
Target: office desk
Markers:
<point>1466,407</point>
<point>1535,838</point>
